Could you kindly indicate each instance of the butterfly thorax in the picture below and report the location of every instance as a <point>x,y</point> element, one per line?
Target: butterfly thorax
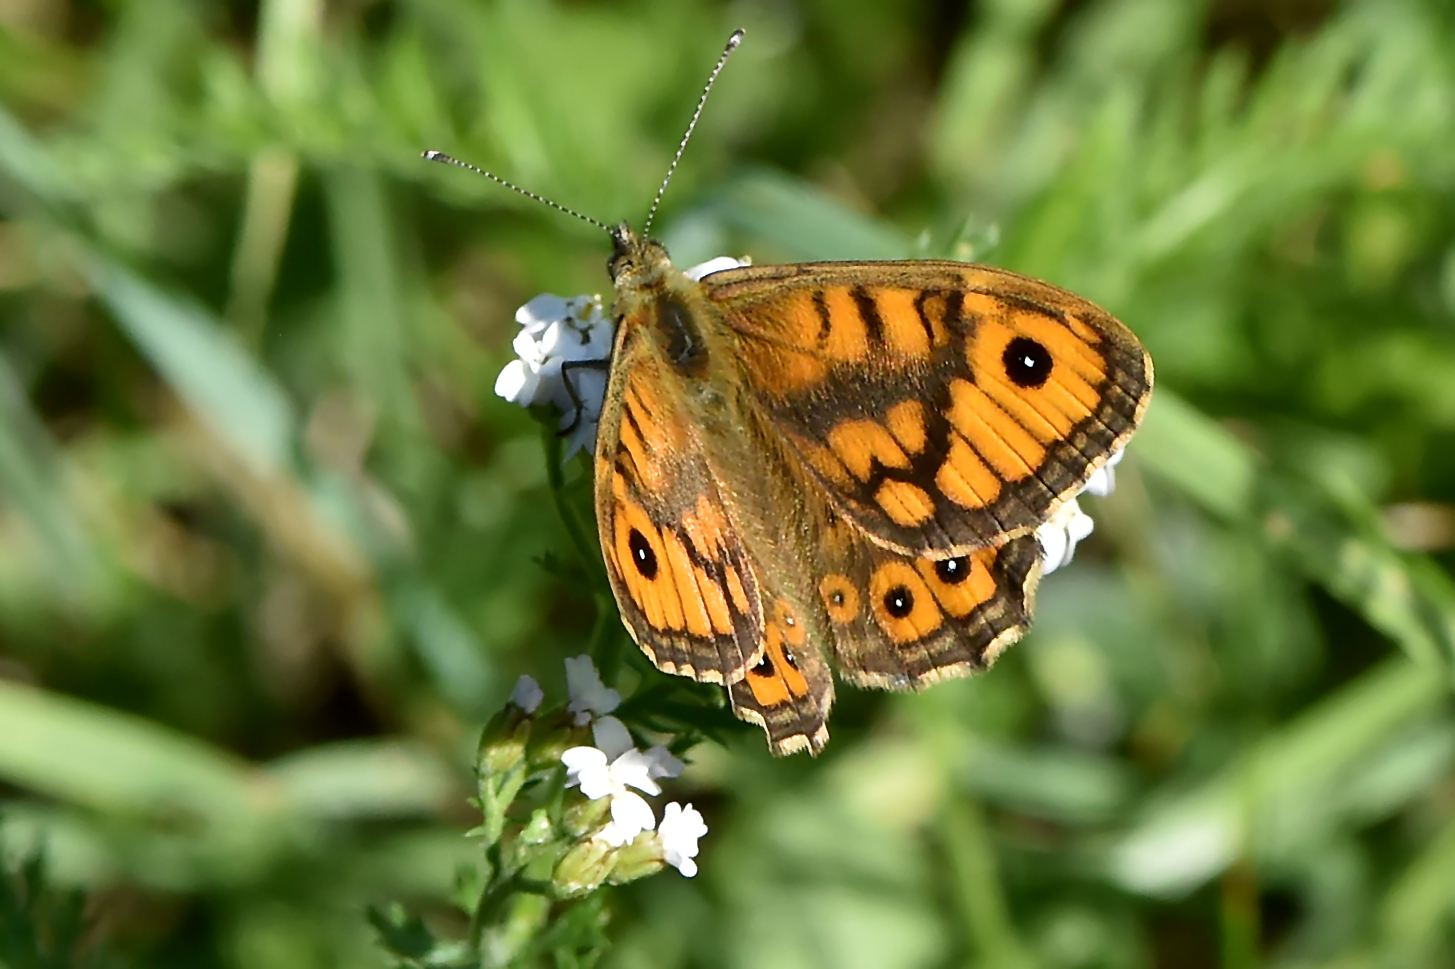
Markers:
<point>654,294</point>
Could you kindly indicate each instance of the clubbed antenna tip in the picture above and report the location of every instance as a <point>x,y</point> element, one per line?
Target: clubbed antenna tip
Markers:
<point>732,44</point>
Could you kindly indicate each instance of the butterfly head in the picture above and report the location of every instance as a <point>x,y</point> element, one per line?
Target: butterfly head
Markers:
<point>636,262</point>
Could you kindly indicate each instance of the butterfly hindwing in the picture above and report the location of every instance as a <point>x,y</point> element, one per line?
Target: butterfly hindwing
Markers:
<point>790,690</point>
<point>890,621</point>
<point>906,622</point>
<point>942,406</point>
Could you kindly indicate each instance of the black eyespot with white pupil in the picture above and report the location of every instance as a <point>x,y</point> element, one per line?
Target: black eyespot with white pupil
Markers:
<point>764,667</point>
<point>1027,363</point>
<point>642,555</point>
<point>899,601</point>
<point>953,571</point>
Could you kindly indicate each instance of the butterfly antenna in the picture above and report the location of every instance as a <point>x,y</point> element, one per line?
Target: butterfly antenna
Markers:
<point>439,156</point>
<point>732,45</point>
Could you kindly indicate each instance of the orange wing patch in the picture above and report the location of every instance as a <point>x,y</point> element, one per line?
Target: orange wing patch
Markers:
<point>965,479</point>
<point>904,327</point>
<point>960,585</point>
<point>905,502</point>
<point>906,421</point>
<point>844,336</point>
<point>1004,445</point>
<point>902,603</point>
<point>858,444</point>
<point>1066,395</point>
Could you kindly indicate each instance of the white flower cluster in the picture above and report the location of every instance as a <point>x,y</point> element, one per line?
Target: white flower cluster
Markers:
<point>614,766</point>
<point>1059,535</point>
<point>563,350</point>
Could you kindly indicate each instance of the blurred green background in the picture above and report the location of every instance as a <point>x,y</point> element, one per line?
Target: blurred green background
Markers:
<point>271,550</point>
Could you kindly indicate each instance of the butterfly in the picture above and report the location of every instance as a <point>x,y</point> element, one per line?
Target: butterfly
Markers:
<point>842,461</point>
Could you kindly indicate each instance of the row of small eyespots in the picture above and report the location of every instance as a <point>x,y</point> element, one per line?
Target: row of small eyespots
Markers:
<point>909,603</point>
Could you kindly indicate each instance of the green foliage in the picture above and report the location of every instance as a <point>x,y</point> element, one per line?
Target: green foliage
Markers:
<point>271,551</point>
<point>41,927</point>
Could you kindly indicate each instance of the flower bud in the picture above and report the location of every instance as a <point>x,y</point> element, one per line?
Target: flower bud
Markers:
<point>584,867</point>
<point>637,860</point>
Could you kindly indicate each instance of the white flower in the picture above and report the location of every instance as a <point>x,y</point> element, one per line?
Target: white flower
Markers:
<point>527,694</point>
<point>1104,480</point>
<point>564,348</point>
<point>557,334</point>
<point>599,776</point>
<point>589,696</point>
<point>1058,537</point>
<point>662,763</point>
<point>715,265</point>
<point>613,739</point>
<point>678,834</point>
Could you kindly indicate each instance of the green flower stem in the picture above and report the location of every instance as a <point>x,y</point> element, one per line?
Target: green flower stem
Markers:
<point>574,528</point>
<point>606,639</point>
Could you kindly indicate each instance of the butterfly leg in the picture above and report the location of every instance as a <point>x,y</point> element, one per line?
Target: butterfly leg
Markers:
<point>567,369</point>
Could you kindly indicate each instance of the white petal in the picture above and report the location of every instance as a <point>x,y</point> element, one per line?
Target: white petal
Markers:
<point>581,675</point>
<point>604,701</point>
<point>661,763</point>
<point>714,265</point>
<point>586,766</point>
<point>682,824</point>
<point>1104,481</point>
<point>527,694</point>
<point>601,335</point>
<point>611,736</point>
<point>1101,483</point>
<point>517,384</point>
<point>588,694</point>
<point>542,311</point>
<point>597,782</point>
<point>590,385</point>
<point>554,338</point>
<point>631,769</point>
<point>631,814</point>
<point>577,343</point>
<point>527,346</point>
<point>1058,537</point>
<point>583,438</point>
<point>678,834</point>
<point>1079,527</point>
<point>1053,546</point>
<point>612,835</point>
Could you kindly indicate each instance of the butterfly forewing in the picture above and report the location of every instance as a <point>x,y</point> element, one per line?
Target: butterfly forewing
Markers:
<point>942,407</point>
<point>685,585</point>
